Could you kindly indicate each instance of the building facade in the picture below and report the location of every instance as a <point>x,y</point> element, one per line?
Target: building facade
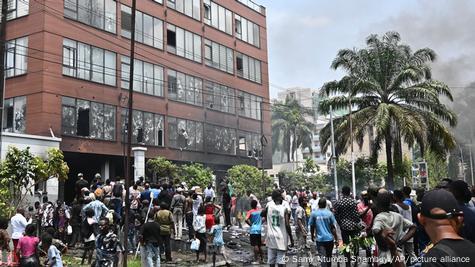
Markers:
<point>200,79</point>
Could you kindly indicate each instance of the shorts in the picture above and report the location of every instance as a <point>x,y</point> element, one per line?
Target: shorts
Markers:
<point>275,256</point>
<point>256,240</point>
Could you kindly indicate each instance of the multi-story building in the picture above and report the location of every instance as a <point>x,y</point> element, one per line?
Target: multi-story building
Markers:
<point>200,80</point>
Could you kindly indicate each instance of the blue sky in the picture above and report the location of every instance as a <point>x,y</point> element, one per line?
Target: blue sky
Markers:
<point>305,35</point>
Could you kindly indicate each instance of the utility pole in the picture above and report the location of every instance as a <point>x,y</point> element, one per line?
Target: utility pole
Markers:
<point>127,176</point>
<point>353,178</point>
<point>263,145</point>
<point>462,169</point>
<point>3,45</point>
<point>333,154</point>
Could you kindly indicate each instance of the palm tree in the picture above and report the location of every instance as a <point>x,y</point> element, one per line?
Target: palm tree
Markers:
<point>390,90</point>
<point>290,128</point>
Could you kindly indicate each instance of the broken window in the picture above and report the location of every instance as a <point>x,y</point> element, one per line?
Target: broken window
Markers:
<point>14,115</point>
<point>219,97</point>
<point>147,128</point>
<point>171,38</point>
<point>184,88</point>
<point>248,68</point>
<point>220,139</point>
<point>185,134</point>
<point>88,119</point>
<point>16,57</point>
<point>183,43</point>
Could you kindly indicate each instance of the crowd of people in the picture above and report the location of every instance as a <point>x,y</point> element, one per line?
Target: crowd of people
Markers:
<point>409,229</point>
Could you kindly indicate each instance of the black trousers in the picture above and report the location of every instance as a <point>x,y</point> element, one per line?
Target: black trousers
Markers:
<point>325,250</point>
<point>227,215</point>
<point>189,225</point>
<point>166,247</point>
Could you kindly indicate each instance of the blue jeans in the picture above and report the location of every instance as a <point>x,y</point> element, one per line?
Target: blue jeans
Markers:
<point>152,254</point>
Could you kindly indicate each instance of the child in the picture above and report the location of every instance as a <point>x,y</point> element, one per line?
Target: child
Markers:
<point>254,219</point>
<point>54,256</point>
<point>218,242</point>
<point>200,232</point>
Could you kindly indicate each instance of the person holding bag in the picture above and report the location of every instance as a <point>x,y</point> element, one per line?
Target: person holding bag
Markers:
<point>199,226</point>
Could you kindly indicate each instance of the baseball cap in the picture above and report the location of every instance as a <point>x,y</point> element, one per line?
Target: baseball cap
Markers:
<point>441,199</point>
<point>80,174</point>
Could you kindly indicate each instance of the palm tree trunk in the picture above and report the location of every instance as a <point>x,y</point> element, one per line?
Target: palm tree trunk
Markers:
<point>389,161</point>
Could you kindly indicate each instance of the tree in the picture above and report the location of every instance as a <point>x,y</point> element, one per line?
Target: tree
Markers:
<point>196,174</point>
<point>160,167</point>
<point>21,171</point>
<point>290,128</point>
<point>366,173</point>
<point>249,178</point>
<point>437,169</point>
<point>310,166</point>
<point>389,89</point>
<point>297,180</point>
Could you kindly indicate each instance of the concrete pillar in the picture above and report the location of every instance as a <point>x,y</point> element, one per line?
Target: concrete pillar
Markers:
<point>139,162</point>
<point>105,171</point>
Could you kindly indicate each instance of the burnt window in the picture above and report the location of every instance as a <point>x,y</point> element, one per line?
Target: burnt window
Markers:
<point>88,119</point>
<point>14,115</point>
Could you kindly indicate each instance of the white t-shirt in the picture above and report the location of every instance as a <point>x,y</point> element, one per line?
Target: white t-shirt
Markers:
<point>393,221</point>
<point>196,204</point>
<point>18,223</point>
<point>277,237</point>
<point>209,193</point>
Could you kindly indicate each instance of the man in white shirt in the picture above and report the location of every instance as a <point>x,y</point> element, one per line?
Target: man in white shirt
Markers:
<point>18,222</point>
<point>209,192</point>
<point>278,230</point>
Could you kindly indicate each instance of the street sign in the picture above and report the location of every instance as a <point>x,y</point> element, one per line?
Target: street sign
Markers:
<point>420,178</point>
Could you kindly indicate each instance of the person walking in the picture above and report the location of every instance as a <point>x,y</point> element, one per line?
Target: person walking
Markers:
<point>216,232</point>
<point>150,243</point>
<point>227,205</point>
<point>278,230</point>
<point>210,210</point>
<point>165,219</point>
<point>199,226</point>
<point>98,207</point>
<point>348,218</point>
<point>177,206</point>
<point>322,221</point>
<point>80,184</point>
<point>189,216</point>
<point>301,225</point>
<point>76,222</point>
<point>89,232</point>
<point>254,220</point>
<point>52,252</point>
<point>18,223</point>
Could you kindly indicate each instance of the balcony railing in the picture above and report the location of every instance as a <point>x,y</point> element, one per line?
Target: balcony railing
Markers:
<point>252,5</point>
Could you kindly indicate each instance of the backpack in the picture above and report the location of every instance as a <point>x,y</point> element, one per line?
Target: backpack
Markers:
<point>117,190</point>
